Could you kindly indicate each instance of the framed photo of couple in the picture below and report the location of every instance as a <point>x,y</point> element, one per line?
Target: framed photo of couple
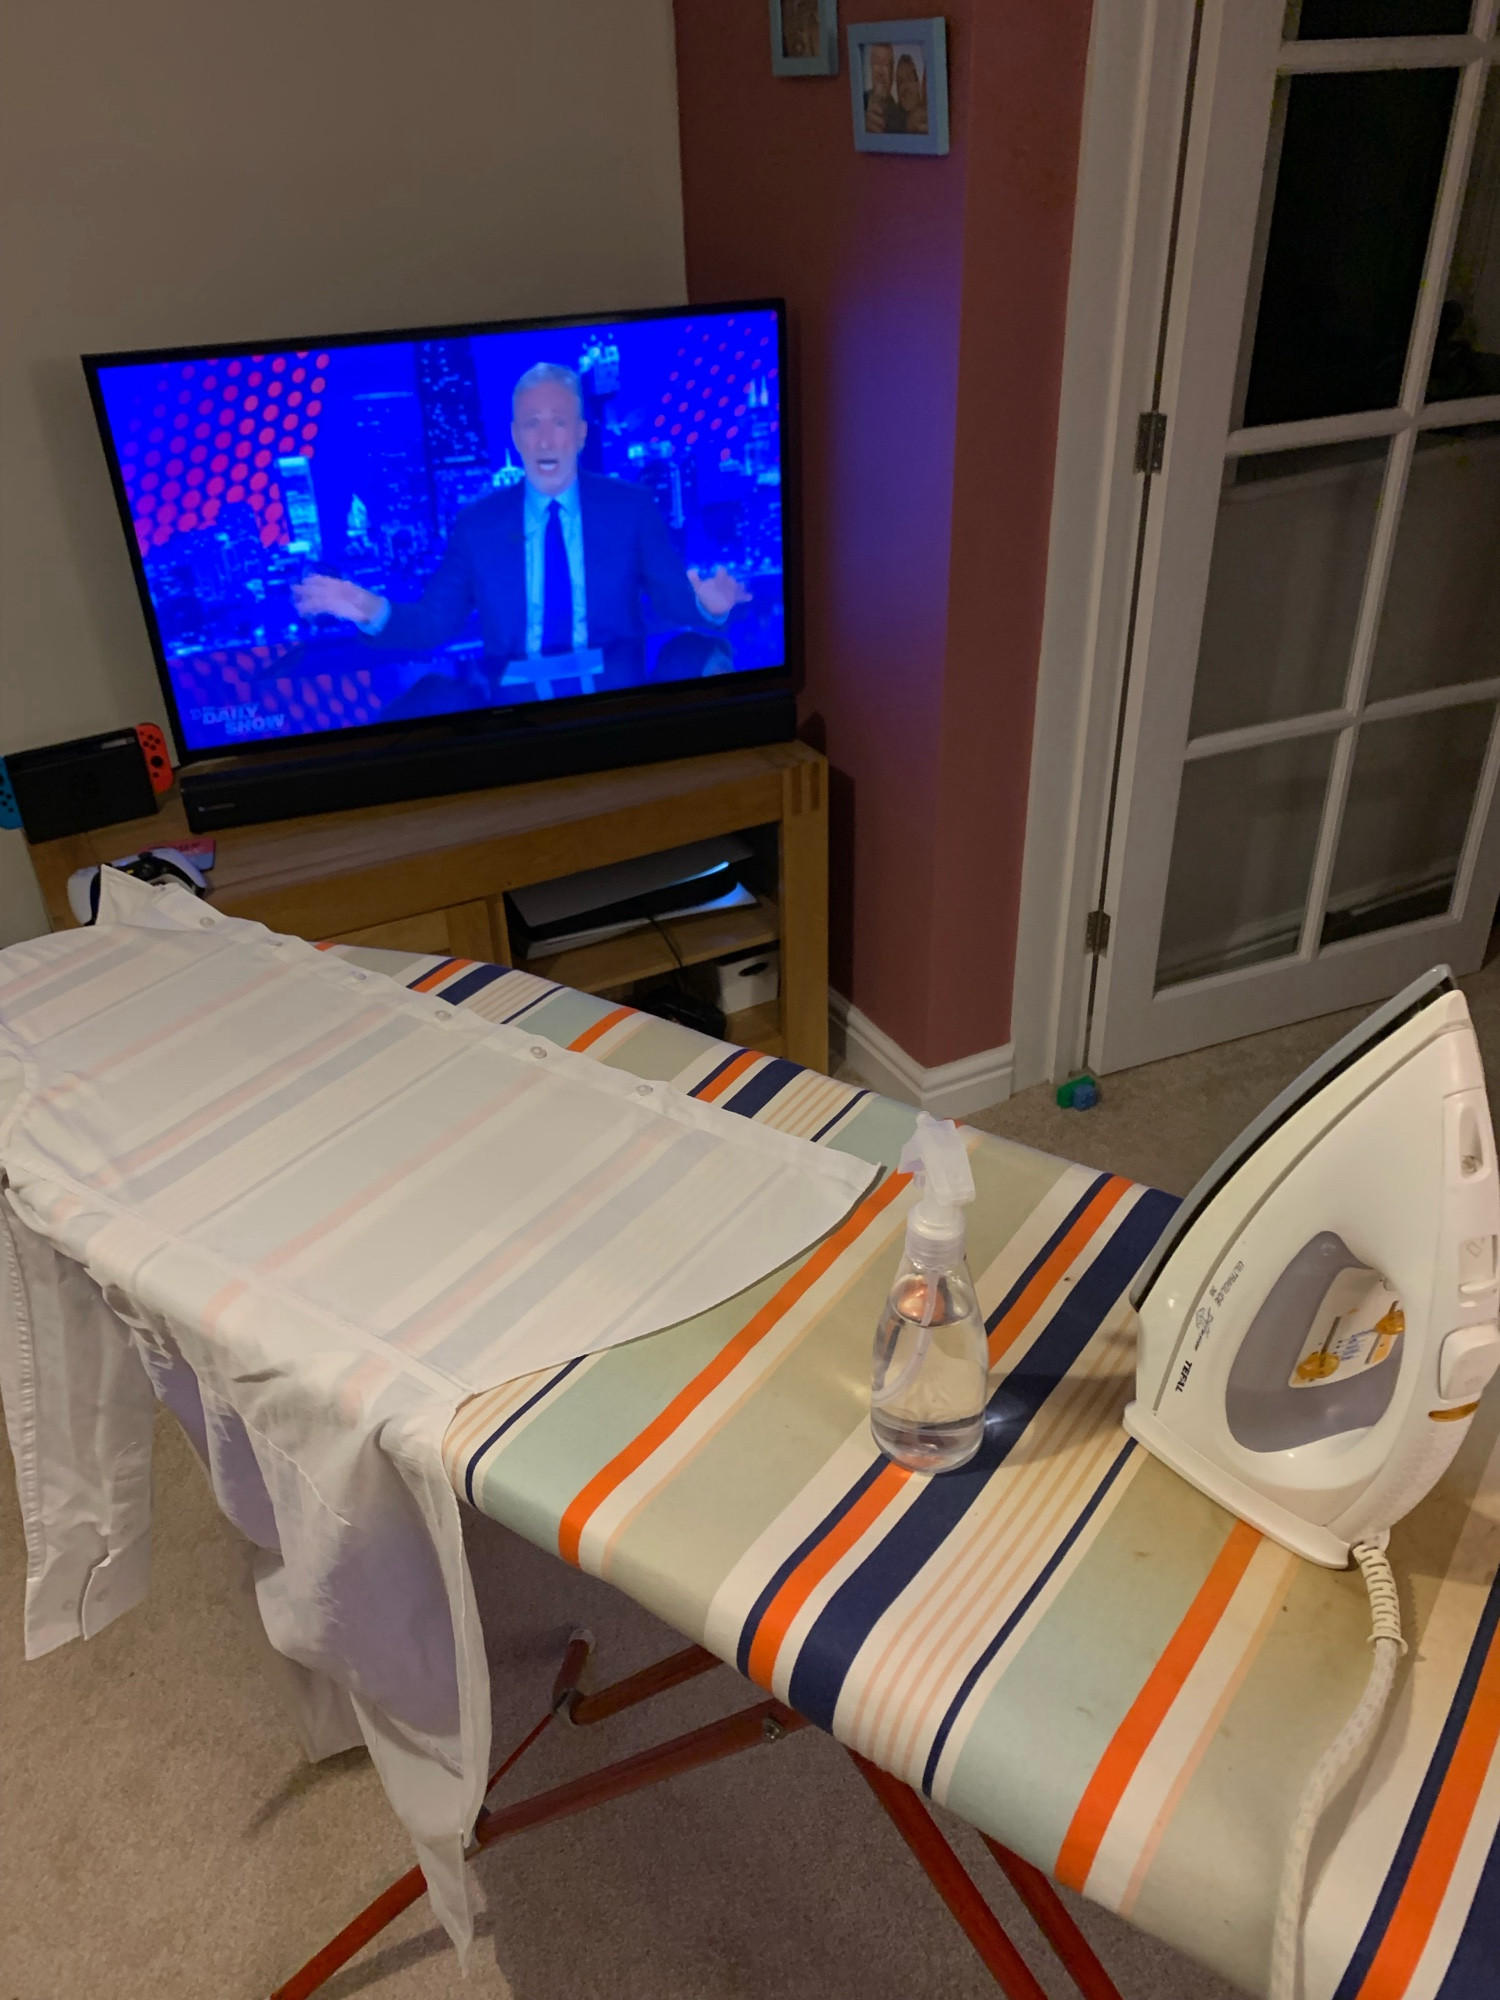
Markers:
<point>898,71</point>
<point>804,37</point>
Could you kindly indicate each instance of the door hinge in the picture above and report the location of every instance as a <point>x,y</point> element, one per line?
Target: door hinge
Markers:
<point>1096,933</point>
<point>1150,440</point>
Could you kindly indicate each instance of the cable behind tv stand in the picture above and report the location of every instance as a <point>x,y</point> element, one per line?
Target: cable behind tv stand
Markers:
<point>249,791</point>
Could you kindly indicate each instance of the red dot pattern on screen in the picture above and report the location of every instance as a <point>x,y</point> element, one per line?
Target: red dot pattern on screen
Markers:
<point>209,441</point>
<point>705,394</point>
<point>310,701</point>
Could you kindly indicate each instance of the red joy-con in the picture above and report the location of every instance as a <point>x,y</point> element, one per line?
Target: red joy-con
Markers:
<point>154,749</point>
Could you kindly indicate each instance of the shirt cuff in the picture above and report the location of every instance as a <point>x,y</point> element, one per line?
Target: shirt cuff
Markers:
<point>382,618</point>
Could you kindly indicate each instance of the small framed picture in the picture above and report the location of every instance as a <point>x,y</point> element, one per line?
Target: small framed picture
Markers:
<point>805,37</point>
<point>899,74</point>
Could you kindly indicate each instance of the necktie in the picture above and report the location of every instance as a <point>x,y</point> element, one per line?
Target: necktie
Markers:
<point>557,587</point>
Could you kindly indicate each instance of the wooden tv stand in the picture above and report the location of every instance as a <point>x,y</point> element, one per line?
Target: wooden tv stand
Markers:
<point>429,874</point>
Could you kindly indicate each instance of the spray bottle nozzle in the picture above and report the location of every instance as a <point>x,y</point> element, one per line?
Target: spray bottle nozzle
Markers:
<point>937,1158</point>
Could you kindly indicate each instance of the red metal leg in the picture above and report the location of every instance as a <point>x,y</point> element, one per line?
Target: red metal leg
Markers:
<point>949,1877</point>
<point>386,1907</point>
<point>656,1679</point>
<point>765,1722</point>
<point>1057,1927</point>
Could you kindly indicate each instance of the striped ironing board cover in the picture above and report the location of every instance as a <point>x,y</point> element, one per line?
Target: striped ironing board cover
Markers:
<point>1064,1643</point>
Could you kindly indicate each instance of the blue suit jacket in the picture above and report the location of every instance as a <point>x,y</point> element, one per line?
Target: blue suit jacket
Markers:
<point>627,555</point>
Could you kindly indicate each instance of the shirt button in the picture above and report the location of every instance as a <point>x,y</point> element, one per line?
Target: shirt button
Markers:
<point>538,1051</point>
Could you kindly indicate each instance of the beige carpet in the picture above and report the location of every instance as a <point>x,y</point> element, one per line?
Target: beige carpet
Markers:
<point>161,1837</point>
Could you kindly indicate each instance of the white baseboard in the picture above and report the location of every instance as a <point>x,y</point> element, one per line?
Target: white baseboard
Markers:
<point>948,1090</point>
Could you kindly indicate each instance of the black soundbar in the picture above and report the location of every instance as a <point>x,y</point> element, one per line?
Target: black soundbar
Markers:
<point>380,772</point>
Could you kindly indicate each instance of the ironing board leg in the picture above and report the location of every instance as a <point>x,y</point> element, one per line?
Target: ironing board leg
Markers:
<point>658,1678</point>
<point>950,1878</point>
<point>1051,1918</point>
<point>765,1722</point>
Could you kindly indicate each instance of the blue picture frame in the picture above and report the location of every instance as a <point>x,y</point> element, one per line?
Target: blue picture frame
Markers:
<point>826,61</point>
<point>919,47</point>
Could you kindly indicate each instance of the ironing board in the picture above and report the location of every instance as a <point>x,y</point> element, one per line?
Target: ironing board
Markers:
<point>1087,1659</point>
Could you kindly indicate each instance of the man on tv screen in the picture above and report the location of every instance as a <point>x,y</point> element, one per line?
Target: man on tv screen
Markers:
<point>561,567</point>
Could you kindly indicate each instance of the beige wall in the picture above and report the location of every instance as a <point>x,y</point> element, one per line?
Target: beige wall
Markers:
<point>177,172</point>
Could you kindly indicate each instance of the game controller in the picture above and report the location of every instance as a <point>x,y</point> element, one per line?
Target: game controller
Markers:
<point>10,812</point>
<point>154,749</point>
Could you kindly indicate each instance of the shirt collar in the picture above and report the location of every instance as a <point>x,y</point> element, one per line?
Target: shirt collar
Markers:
<point>537,502</point>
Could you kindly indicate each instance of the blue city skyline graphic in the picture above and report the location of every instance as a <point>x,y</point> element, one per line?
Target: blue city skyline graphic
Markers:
<point>246,473</point>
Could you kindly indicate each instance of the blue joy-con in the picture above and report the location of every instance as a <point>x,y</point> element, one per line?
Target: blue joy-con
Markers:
<point>10,812</point>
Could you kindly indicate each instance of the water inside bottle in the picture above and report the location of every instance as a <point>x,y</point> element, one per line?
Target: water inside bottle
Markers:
<point>927,1395</point>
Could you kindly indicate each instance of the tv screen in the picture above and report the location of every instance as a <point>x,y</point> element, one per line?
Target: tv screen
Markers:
<point>359,532</point>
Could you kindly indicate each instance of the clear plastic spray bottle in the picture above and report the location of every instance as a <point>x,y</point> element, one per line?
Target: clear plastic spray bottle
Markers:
<point>931,1365</point>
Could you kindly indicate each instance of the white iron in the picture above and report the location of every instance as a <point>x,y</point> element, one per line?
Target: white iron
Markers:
<point>1318,1321</point>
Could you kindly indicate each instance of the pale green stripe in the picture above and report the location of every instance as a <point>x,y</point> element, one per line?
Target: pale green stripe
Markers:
<point>676,1553</point>
<point>658,1050</point>
<point>539,1468</point>
<point>877,1130</point>
<point>1031,1750</point>
<point>1301,1688</point>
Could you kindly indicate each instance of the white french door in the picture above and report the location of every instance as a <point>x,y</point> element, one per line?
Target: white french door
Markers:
<point>1305,793</point>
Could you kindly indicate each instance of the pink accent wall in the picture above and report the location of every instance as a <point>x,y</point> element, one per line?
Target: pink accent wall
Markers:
<point>927,302</point>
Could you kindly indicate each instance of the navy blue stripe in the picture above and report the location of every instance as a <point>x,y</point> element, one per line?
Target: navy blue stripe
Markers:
<point>1474,1969</point>
<point>824,1130</point>
<point>431,972</point>
<point>837,1513</point>
<point>514,1418</point>
<point>945,1727</point>
<point>756,1092</point>
<point>847,1619</point>
<point>473,982</point>
<point>540,997</point>
<point>803,1549</point>
<point>1411,1837</point>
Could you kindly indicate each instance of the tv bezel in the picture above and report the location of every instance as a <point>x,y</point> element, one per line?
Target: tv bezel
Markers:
<point>504,715</point>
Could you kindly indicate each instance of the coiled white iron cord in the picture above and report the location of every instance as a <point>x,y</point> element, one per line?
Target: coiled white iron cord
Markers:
<point>1336,1764</point>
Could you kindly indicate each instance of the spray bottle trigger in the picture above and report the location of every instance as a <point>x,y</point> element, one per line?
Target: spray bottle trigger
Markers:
<point>937,1156</point>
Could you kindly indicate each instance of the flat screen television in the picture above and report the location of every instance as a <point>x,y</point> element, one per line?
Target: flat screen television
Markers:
<point>367,532</point>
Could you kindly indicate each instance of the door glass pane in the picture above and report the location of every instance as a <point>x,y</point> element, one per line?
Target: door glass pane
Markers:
<point>1284,586</point>
<point>1441,622</point>
<point>1405,818</point>
<point>1242,856</point>
<point>1357,173</point>
<point>1466,360</point>
<point>1331,20</point>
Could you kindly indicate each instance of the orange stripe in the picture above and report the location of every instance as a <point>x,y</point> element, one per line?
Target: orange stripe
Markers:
<point>1005,1331</point>
<point>1411,1925</point>
<point>585,1504</point>
<point>1148,1711</point>
<point>722,1081</point>
<point>803,1580</point>
<point>800,1585</point>
<point>326,945</point>
<point>601,1027</point>
<point>439,973</point>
